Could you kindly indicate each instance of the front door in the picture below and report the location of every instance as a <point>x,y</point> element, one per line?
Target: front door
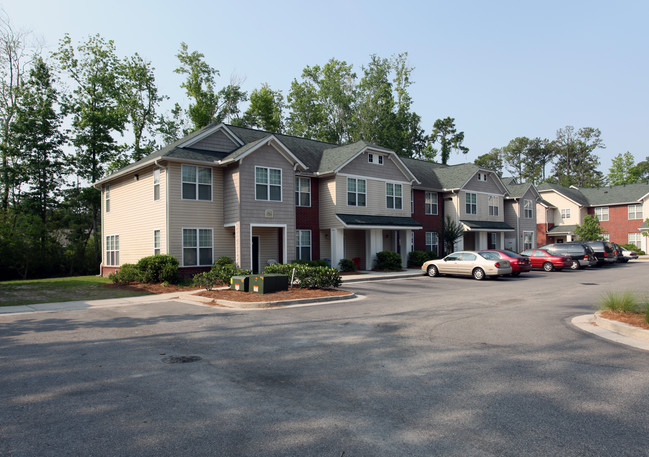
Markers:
<point>255,254</point>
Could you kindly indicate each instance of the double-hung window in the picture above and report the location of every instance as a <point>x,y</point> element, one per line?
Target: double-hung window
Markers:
<point>635,211</point>
<point>602,213</point>
<point>471,201</point>
<point>494,205</point>
<point>356,192</point>
<point>107,198</point>
<point>268,184</point>
<point>394,195</point>
<point>528,209</point>
<point>112,250</point>
<point>197,183</point>
<point>565,213</point>
<point>156,242</point>
<point>303,191</point>
<point>197,247</point>
<point>527,240</point>
<point>635,239</point>
<point>303,244</point>
<point>431,203</point>
<point>156,184</point>
<point>432,242</point>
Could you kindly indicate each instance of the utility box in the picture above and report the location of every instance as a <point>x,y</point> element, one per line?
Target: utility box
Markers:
<point>264,284</point>
<point>240,283</point>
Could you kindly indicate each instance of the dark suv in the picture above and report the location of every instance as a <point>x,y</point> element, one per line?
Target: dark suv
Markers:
<point>580,252</point>
<point>604,251</point>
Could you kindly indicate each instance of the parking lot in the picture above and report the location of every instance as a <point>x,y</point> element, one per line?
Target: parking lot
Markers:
<point>420,366</point>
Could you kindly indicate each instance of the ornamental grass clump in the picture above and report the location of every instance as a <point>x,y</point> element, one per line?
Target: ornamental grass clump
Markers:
<point>620,302</point>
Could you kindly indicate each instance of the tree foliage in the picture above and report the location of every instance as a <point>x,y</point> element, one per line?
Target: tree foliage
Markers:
<point>576,163</point>
<point>451,232</point>
<point>590,229</point>
<point>493,160</point>
<point>621,171</point>
<point>446,136</point>
<point>265,110</point>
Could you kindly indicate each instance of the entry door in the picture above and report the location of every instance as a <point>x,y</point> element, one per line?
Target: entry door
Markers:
<point>255,254</point>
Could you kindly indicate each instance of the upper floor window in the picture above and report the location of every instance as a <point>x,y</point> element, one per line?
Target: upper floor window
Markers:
<point>393,196</point>
<point>156,242</point>
<point>356,192</point>
<point>112,250</point>
<point>528,209</point>
<point>635,211</point>
<point>303,191</point>
<point>471,203</point>
<point>482,177</point>
<point>602,213</point>
<point>565,213</point>
<point>107,198</point>
<point>268,184</point>
<point>494,205</point>
<point>156,184</point>
<point>375,158</point>
<point>431,203</point>
<point>197,183</point>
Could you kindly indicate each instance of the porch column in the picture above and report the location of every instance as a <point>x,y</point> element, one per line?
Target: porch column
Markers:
<point>404,240</point>
<point>374,244</point>
<point>482,241</point>
<point>337,246</point>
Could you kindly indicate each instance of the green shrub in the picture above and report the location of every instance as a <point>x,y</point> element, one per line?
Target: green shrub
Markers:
<point>206,280</point>
<point>310,263</point>
<point>126,274</point>
<point>632,247</point>
<point>417,258</point>
<point>621,302</point>
<point>387,260</point>
<point>158,268</point>
<point>346,265</point>
<point>225,272</point>
<point>224,260</point>
<point>318,277</point>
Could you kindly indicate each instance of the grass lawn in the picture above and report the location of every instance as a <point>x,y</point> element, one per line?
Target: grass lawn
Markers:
<point>58,290</point>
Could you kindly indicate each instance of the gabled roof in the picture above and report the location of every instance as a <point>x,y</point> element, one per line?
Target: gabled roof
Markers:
<point>425,172</point>
<point>519,190</point>
<point>562,230</point>
<point>600,196</point>
<point>270,140</point>
<point>487,225</point>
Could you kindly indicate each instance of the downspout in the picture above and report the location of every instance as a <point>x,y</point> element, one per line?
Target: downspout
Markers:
<point>166,222</point>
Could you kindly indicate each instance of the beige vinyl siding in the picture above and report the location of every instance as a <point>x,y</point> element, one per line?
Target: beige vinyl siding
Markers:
<point>268,245</point>
<point>361,167</point>
<point>376,198</point>
<point>218,142</point>
<point>489,186</point>
<point>197,214</point>
<point>328,207</point>
<point>231,195</point>
<point>483,207</point>
<point>560,203</point>
<point>450,202</point>
<point>325,245</point>
<point>134,215</point>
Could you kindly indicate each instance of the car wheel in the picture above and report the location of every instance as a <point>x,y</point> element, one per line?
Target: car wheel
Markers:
<point>515,274</point>
<point>575,265</point>
<point>547,266</point>
<point>625,260</point>
<point>432,271</point>
<point>478,274</point>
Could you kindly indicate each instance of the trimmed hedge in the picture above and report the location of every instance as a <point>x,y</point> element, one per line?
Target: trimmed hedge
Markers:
<point>346,265</point>
<point>387,260</point>
<point>417,258</point>
<point>308,277</point>
<point>126,274</point>
<point>220,274</point>
<point>153,269</point>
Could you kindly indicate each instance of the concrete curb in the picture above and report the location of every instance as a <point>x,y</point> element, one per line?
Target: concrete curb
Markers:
<point>612,330</point>
<point>380,276</point>
<point>268,304</point>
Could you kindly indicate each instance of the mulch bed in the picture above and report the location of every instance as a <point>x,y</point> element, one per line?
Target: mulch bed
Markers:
<point>635,319</point>
<point>295,294</point>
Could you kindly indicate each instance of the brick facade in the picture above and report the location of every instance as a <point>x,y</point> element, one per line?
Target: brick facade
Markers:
<point>619,225</point>
<point>429,222</point>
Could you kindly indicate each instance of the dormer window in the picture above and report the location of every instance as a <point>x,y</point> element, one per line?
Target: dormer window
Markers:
<point>482,177</point>
<point>375,158</point>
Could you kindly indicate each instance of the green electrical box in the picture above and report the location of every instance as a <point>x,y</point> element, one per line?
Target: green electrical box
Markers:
<point>264,284</point>
<point>240,283</point>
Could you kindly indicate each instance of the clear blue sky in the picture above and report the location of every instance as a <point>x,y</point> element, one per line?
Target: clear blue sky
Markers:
<point>502,69</point>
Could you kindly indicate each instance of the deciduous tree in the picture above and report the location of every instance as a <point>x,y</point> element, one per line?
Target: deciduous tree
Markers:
<point>590,229</point>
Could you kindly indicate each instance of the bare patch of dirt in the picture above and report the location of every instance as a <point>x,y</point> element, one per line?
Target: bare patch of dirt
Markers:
<point>295,294</point>
<point>635,319</point>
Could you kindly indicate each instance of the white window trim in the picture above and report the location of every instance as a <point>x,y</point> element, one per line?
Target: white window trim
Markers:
<point>531,209</point>
<point>107,198</point>
<point>182,194</point>
<point>637,239</point>
<point>432,235</point>
<point>602,213</point>
<point>493,210</point>
<point>106,251</point>
<point>394,196</point>
<point>433,205</point>
<point>565,213</point>
<point>159,248</point>
<point>473,205</point>
<point>637,210</point>
<point>531,234</point>
<point>268,184</point>
<point>299,246</point>
<point>198,245</point>
<point>356,192</point>
<point>298,192</point>
<point>156,183</point>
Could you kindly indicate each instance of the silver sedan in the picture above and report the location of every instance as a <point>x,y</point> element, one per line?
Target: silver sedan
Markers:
<point>467,263</point>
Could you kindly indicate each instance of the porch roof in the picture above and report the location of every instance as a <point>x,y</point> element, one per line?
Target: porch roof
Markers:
<point>356,220</point>
<point>487,226</point>
<point>562,230</point>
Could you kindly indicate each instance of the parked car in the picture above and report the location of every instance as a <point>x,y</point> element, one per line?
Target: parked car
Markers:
<point>604,252</point>
<point>519,263</point>
<point>467,263</point>
<point>624,255</point>
<point>582,254</point>
<point>547,260</point>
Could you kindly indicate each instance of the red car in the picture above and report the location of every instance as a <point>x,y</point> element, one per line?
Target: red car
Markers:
<point>549,261</point>
<point>518,262</point>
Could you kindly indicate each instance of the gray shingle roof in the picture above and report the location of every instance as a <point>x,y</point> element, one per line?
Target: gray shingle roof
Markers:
<point>378,221</point>
<point>562,229</point>
<point>600,196</point>
<point>425,172</point>
<point>572,194</point>
<point>487,225</point>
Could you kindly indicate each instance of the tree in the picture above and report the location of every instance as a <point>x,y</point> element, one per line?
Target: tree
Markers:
<point>265,110</point>
<point>451,233</point>
<point>621,169</point>
<point>590,229</point>
<point>446,135</point>
<point>515,155</point>
<point>576,164</point>
<point>640,171</point>
<point>492,160</point>
<point>538,154</point>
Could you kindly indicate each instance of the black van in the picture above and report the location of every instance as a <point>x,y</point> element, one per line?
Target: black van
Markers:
<point>604,251</point>
<point>580,252</point>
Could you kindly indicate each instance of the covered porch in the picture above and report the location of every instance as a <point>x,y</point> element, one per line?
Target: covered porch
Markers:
<point>479,235</point>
